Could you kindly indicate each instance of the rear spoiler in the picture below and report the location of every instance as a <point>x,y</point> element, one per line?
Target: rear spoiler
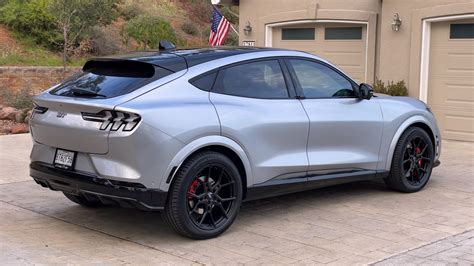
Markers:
<point>119,67</point>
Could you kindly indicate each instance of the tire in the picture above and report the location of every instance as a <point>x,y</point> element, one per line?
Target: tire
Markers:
<point>205,197</point>
<point>88,202</point>
<point>412,161</point>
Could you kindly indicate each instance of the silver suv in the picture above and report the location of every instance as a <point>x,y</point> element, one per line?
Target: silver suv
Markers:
<point>193,133</point>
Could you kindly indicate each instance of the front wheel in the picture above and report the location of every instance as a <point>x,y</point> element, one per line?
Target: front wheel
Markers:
<point>205,197</point>
<point>412,161</point>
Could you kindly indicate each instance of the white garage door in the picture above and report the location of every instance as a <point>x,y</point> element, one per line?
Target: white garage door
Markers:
<point>343,44</point>
<point>451,78</point>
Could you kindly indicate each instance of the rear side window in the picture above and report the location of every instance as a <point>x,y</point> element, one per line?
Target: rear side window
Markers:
<point>204,82</point>
<point>107,79</point>
<point>261,79</point>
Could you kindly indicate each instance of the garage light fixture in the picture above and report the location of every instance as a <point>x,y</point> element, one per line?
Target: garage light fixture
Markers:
<point>396,23</point>
<point>247,28</point>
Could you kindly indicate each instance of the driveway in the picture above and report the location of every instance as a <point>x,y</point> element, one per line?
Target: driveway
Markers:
<point>354,223</point>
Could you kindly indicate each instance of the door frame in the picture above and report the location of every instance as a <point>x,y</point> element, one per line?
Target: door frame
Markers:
<point>425,50</point>
<point>269,33</point>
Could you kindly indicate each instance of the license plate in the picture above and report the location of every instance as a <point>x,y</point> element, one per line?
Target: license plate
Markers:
<point>64,159</point>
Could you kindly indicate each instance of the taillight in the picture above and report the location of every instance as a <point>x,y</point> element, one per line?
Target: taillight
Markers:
<point>113,119</point>
<point>39,109</point>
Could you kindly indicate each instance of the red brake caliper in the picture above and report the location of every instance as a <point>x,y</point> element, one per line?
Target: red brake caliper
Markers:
<point>192,188</point>
<point>420,162</point>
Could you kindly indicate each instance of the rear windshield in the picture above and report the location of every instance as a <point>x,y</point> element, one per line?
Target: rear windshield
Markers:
<point>107,79</point>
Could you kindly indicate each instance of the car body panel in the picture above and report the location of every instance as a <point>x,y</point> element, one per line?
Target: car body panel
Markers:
<point>203,142</point>
<point>400,113</point>
<point>273,132</point>
<point>345,134</point>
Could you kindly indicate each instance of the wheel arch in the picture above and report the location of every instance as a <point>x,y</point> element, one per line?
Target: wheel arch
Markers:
<point>414,121</point>
<point>219,144</point>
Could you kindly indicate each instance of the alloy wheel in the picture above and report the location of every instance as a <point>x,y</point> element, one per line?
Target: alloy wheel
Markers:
<point>210,197</point>
<point>416,160</point>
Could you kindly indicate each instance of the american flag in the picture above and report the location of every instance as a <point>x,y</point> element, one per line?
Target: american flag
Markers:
<point>219,28</point>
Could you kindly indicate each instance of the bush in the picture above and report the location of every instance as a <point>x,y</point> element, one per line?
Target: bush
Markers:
<point>232,39</point>
<point>189,28</point>
<point>394,89</point>
<point>105,41</point>
<point>148,31</point>
<point>32,18</point>
<point>23,99</point>
<point>130,12</point>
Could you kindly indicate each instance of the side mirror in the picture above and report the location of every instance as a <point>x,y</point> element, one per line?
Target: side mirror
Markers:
<point>365,91</point>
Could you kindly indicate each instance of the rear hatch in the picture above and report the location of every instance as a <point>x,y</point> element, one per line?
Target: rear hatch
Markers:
<point>78,114</point>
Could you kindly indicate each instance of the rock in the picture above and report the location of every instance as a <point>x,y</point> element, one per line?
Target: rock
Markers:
<point>28,116</point>
<point>19,116</point>
<point>8,113</point>
<point>19,128</point>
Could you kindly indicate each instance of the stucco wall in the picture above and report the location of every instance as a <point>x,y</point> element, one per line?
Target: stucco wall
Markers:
<point>400,52</point>
<point>35,79</point>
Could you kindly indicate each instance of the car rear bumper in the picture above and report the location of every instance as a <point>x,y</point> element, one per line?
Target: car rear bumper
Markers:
<point>122,193</point>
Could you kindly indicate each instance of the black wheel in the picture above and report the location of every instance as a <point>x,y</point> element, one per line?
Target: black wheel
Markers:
<point>205,196</point>
<point>90,202</point>
<point>412,161</point>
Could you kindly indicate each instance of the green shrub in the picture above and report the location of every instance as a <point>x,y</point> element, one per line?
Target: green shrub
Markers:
<point>232,39</point>
<point>391,88</point>
<point>148,31</point>
<point>32,18</point>
<point>189,28</point>
<point>131,11</point>
<point>21,99</point>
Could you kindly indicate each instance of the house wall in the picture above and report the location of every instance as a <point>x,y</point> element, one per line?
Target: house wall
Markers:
<point>400,52</point>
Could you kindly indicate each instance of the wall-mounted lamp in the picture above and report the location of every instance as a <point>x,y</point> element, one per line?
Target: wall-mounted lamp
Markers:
<point>247,28</point>
<point>396,23</point>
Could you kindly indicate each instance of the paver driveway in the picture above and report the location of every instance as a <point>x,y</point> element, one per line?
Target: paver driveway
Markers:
<point>354,223</point>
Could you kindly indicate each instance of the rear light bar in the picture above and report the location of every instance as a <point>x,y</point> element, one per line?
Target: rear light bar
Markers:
<point>39,109</point>
<point>114,119</point>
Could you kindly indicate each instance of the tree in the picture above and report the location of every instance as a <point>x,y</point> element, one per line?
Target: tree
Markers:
<point>75,18</point>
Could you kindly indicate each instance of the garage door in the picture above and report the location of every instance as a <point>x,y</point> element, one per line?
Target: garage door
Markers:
<point>342,44</point>
<point>451,78</point>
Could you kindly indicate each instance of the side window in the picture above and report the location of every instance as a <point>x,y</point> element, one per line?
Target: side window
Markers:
<point>319,81</point>
<point>204,82</point>
<point>261,79</point>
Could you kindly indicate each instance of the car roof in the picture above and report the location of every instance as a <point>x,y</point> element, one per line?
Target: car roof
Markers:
<point>180,59</point>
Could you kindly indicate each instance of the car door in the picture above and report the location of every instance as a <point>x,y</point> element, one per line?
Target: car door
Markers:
<point>345,131</point>
<point>256,105</point>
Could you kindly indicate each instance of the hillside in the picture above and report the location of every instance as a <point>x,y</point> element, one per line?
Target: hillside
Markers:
<point>189,21</point>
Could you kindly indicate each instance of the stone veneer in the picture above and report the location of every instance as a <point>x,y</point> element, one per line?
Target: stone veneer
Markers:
<point>36,79</point>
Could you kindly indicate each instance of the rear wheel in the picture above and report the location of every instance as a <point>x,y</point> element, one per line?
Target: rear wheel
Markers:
<point>89,202</point>
<point>412,161</point>
<point>205,196</point>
